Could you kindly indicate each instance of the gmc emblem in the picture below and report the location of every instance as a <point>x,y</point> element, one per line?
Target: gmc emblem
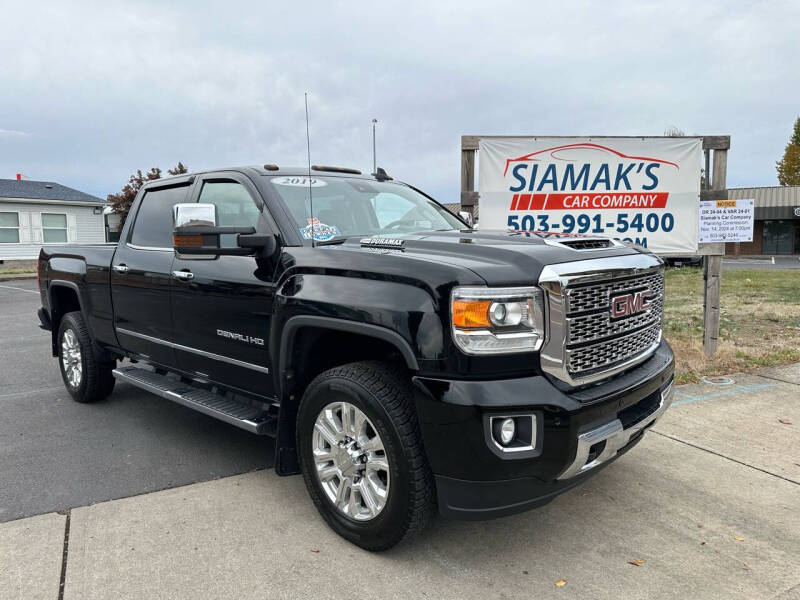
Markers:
<point>630,304</point>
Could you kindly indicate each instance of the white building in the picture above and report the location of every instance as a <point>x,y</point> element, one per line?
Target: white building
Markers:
<point>33,213</point>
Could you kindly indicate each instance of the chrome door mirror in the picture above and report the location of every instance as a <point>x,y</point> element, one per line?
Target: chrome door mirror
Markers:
<point>196,233</point>
<point>194,215</point>
<point>467,217</point>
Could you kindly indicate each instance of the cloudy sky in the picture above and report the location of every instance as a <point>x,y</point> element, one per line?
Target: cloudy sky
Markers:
<point>92,91</point>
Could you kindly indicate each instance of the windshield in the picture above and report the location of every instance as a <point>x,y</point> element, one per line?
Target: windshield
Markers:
<point>358,207</point>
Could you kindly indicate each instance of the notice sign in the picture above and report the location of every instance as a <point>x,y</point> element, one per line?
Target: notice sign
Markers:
<point>639,190</point>
<point>727,220</point>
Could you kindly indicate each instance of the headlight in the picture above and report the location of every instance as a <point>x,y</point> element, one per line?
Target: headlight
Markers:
<point>497,320</point>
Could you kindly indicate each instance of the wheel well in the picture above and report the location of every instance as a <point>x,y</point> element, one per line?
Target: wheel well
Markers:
<point>63,300</point>
<point>316,350</point>
<point>312,351</point>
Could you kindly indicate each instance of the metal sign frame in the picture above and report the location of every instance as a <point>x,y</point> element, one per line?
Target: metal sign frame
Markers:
<point>715,151</point>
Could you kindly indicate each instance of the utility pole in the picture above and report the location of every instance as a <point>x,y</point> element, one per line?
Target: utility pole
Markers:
<point>374,159</point>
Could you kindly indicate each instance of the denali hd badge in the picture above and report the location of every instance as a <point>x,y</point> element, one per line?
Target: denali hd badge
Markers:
<point>240,338</point>
<point>627,305</point>
<point>379,242</point>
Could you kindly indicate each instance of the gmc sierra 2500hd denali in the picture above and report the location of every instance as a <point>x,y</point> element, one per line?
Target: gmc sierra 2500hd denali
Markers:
<point>402,361</point>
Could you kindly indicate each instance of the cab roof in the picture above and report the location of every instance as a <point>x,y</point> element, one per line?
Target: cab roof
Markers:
<point>269,169</point>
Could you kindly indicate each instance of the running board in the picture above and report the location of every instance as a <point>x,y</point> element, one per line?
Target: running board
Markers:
<point>250,418</point>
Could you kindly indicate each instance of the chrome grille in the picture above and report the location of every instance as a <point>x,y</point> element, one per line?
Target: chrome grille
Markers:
<point>597,295</point>
<point>605,354</point>
<point>593,339</point>
<point>589,327</point>
<point>584,343</point>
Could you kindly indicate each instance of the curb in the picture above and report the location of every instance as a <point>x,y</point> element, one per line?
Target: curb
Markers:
<point>20,277</point>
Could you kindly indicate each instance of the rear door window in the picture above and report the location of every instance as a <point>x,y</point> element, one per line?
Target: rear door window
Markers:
<point>153,226</point>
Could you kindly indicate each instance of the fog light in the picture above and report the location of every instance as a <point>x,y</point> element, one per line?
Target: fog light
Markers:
<point>512,436</point>
<point>507,431</point>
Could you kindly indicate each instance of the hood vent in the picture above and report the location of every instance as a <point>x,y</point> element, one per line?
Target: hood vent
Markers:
<point>585,243</point>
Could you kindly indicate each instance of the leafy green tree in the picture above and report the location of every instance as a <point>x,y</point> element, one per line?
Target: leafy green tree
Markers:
<point>789,166</point>
<point>121,202</point>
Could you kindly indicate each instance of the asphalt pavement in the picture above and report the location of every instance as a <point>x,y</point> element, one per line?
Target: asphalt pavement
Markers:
<point>56,453</point>
<point>762,262</point>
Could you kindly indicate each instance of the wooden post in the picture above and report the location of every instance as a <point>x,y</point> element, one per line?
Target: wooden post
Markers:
<point>712,269</point>
<point>468,194</point>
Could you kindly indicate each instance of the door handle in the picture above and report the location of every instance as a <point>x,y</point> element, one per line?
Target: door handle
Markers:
<point>185,275</point>
<point>120,268</point>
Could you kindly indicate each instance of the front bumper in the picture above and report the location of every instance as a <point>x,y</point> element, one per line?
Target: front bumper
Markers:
<point>581,431</point>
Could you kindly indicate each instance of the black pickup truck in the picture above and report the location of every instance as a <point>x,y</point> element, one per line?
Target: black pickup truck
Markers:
<point>403,362</point>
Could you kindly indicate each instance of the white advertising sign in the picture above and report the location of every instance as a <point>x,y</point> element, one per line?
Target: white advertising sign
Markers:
<point>727,220</point>
<point>641,190</point>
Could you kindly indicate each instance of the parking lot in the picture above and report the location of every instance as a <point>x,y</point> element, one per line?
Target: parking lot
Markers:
<point>761,262</point>
<point>136,497</point>
<point>59,454</point>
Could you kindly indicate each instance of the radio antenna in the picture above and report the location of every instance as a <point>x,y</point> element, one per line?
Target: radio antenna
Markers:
<point>310,194</point>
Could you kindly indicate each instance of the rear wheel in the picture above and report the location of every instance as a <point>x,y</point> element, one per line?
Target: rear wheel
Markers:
<point>86,378</point>
<point>361,454</point>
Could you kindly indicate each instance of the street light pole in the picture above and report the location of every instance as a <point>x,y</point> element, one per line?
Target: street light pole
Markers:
<point>374,160</point>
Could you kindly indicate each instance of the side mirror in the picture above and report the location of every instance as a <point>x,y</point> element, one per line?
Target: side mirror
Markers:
<point>194,215</point>
<point>196,233</point>
<point>467,217</point>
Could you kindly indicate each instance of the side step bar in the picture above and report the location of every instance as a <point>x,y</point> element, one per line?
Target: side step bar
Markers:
<point>250,418</point>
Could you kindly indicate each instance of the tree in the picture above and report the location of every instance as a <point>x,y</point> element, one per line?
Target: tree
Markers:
<point>674,132</point>
<point>789,166</point>
<point>178,169</point>
<point>122,201</point>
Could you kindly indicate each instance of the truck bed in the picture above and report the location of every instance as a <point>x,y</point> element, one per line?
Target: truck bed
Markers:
<point>85,268</point>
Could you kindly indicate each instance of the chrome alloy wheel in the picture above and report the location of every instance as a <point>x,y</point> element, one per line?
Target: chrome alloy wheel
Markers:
<point>71,358</point>
<point>351,461</point>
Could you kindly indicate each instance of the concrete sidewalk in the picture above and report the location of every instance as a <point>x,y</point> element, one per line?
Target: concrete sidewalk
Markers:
<point>709,501</point>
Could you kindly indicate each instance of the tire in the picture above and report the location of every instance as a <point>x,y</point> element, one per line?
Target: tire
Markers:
<point>86,378</point>
<point>384,395</point>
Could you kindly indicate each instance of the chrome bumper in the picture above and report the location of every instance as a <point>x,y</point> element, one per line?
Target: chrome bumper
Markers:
<point>614,436</point>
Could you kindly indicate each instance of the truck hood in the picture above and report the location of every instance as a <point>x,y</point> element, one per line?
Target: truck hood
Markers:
<point>497,257</point>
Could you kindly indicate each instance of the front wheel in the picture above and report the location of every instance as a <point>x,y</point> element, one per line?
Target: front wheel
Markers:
<point>361,454</point>
<point>86,378</point>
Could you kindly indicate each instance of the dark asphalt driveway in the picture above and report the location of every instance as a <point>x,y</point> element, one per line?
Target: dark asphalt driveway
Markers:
<point>766,262</point>
<point>57,454</point>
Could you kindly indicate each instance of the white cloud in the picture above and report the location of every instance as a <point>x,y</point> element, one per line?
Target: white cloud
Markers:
<point>11,133</point>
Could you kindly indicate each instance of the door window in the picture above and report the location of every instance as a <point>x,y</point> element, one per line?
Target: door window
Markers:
<point>9,228</point>
<point>235,207</point>
<point>54,228</point>
<point>153,226</point>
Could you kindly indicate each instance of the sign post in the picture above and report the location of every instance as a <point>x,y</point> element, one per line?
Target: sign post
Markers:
<point>642,190</point>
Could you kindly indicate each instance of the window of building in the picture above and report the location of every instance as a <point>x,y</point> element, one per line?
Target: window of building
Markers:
<point>778,237</point>
<point>9,228</point>
<point>54,228</point>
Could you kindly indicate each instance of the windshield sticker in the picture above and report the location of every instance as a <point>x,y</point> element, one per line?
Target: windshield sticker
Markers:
<point>320,231</point>
<point>298,182</point>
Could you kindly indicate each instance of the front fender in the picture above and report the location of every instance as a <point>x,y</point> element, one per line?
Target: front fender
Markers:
<point>403,315</point>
